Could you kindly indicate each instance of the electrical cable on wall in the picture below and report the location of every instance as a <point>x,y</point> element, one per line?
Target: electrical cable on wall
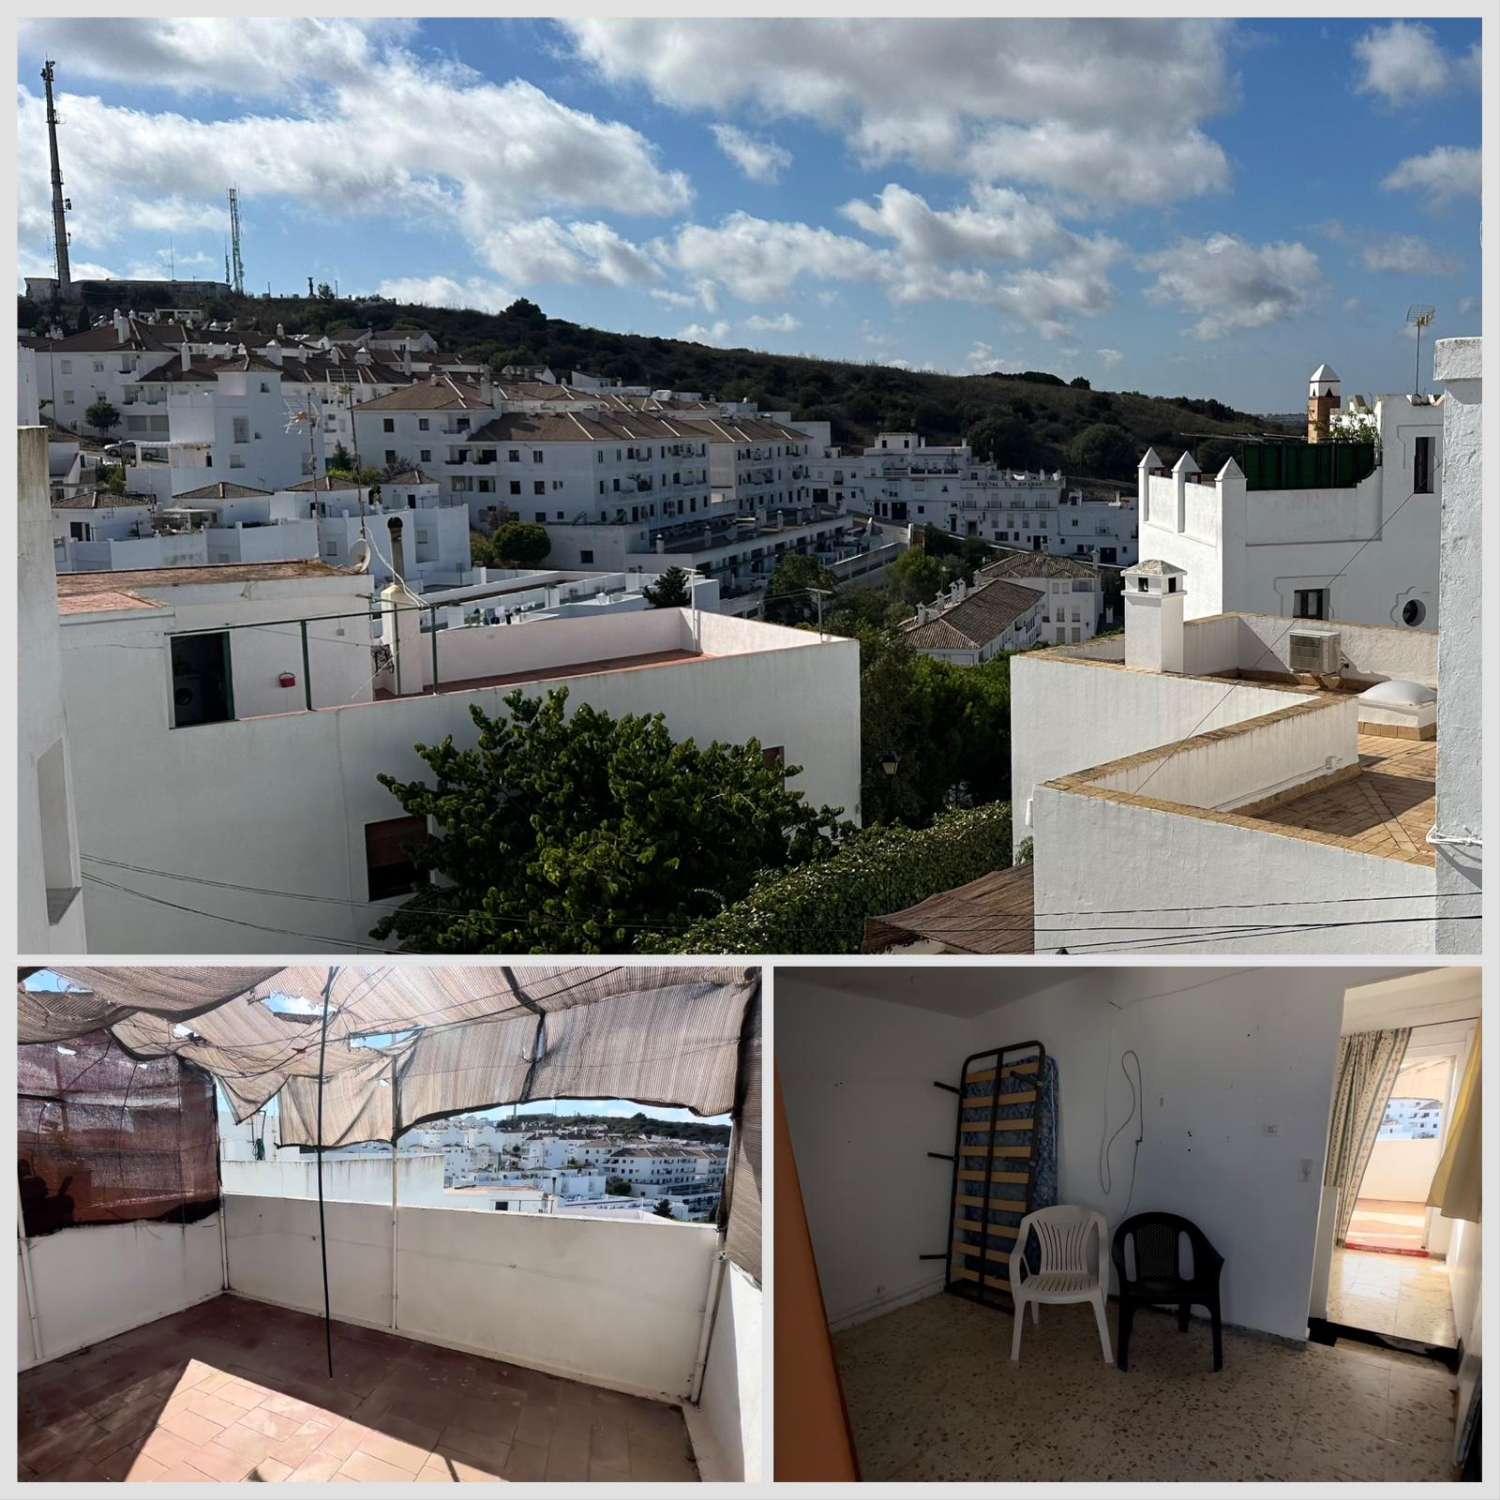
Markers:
<point>1137,1113</point>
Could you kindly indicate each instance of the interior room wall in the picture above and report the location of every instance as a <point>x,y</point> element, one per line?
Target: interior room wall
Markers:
<point>857,1076</point>
<point>1237,1070</point>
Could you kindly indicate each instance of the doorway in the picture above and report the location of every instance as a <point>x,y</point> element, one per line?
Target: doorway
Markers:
<point>1390,1275</point>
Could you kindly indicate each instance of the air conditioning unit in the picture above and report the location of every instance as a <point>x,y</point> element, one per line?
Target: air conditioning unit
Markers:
<point>1316,652</point>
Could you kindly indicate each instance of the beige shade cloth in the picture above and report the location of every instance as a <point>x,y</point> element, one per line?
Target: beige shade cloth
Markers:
<point>411,1043</point>
<point>1457,1185</point>
<point>742,1191</point>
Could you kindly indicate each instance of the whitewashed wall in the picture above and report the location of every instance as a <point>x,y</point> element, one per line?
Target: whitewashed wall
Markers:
<point>288,796</point>
<point>1237,1071</point>
<point>1195,874</point>
<point>619,1305</point>
<point>1069,716</point>
<point>1401,1170</point>
<point>1250,765</point>
<point>857,1075</point>
<point>98,1280</point>
<point>726,1426</point>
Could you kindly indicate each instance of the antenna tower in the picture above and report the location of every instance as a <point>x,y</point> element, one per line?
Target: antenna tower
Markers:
<point>237,266</point>
<point>60,204</point>
<point>1419,316</point>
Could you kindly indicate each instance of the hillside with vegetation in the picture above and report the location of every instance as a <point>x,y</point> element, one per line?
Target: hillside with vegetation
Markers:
<point>1031,419</point>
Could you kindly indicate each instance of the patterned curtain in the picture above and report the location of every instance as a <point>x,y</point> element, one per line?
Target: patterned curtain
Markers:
<point>1368,1064</point>
<point>1456,1185</point>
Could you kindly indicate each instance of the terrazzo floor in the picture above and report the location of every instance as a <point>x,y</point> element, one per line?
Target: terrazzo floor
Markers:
<point>1404,1295</point>
<point>933,1395</point>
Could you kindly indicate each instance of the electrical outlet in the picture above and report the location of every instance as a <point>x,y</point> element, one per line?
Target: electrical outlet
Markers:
<point>1269,1129</point>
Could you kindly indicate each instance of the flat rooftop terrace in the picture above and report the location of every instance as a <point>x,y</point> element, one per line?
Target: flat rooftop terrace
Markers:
<point>234,1390</point>
<point>1386,809</point>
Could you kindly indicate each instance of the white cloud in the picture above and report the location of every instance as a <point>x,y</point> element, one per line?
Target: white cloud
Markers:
<point>1104,109</point>
<point>1233,284</point>
<point>998,224</point>
<point>1408,253</point>
<point>236,55</point>
<point>1405,64</point>
<point>1466,305</point>
<point>698,333</point>
<point>444,291</point>
<point>1443,174</point>
<point>762,260</point>
<point>1102,162</point>
<point>760,160</point>
<point>391,136</point>
<point>544,251</point>
<point>786,323</point>
<point>1109,358</point>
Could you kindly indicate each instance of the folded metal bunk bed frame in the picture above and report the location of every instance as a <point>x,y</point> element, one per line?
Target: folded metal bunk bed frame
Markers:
<point>996,1179</point>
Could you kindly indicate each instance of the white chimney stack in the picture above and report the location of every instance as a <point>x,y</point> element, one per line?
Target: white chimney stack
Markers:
<point>1155,593</point>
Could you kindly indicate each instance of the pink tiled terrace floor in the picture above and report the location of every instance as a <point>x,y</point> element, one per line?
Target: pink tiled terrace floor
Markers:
<point>234,1390</point>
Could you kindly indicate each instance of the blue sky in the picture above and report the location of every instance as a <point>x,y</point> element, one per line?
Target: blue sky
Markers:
<point>1197,207</point>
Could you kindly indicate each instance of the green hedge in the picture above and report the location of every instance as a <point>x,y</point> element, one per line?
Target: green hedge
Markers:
<point>822,907</point>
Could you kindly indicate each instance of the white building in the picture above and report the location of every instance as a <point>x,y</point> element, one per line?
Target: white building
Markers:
<point>1456,839</point>
<point>1072,593</point>
<point>1276,532</point>
<point>903,479</point>
<point>426,425</point>
<point>251,702</point>
<point>518,596</point>
<point>1241,782</point>
<point>967,626</point>
<point>50,906</point>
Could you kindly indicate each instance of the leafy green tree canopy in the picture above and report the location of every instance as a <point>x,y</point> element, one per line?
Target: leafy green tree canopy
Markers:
<point>582,833</point>
<point>102,416</point>
<point>1106,450</point>
<point>516,544</point>
<point>670,591</point>
<point>788,601</point>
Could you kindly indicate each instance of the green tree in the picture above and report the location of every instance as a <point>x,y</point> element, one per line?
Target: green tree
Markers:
<point>340,460</point>
<point>1106,450</point>
<point>1003,440</point>
<point>1080,383</point>
<point>617,1187</point>
<point>670,591</point>
<point>577,833</point>
<point>102,416</point>
<point>916,578</point>
<point>516,544</point>
<point>788,601</point>
<point>663,1209</point>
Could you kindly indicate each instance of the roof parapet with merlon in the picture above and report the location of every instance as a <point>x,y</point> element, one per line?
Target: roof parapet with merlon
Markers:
<point>1150,459</point>
<point>1186,464</point>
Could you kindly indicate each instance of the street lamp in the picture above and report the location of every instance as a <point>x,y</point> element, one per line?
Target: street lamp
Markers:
<point>890,762</point>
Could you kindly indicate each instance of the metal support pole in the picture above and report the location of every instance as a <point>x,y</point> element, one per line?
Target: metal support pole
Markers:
<point>434,633</point>
<point>395,1221</point>
<point>306,667</point>
<point>322,1226</point>
<point>26,1278</point>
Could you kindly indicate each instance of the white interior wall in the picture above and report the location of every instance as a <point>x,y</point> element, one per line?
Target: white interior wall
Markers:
<point>857,1078</point>
<point>97,1280</point>
<point>1237,1070</point>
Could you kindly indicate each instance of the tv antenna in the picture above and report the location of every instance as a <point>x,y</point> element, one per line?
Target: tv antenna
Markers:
<point>1419,316</point>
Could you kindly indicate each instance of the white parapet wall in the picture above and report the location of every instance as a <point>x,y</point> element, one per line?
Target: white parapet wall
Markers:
<point>619,1305</point>
<point>96,1280</point>
<point>726,1424</point>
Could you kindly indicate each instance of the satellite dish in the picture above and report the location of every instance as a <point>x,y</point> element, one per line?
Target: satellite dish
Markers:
<point>359,556</point>
<point>1419,316</point>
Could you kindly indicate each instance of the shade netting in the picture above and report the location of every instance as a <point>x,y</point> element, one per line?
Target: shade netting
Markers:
<point>406,1044</point>
<point>105,1138</point>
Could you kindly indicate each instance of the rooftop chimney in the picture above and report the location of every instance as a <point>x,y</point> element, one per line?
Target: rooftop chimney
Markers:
<point>186,356</point>
<point>122,326</point>
<point>1154,593</point>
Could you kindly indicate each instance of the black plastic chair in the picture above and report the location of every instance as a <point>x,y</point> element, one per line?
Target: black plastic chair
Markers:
<point>1158,1281</point>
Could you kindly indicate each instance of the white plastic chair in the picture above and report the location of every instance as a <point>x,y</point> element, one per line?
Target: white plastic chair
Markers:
<point>1073,1266</point>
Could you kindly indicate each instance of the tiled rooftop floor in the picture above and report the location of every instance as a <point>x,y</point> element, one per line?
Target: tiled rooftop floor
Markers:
<point>933,1395</point>
<point>1387,809</point>
<point>233,1390</point>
